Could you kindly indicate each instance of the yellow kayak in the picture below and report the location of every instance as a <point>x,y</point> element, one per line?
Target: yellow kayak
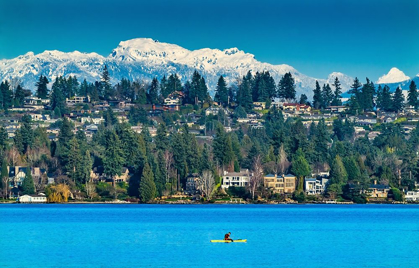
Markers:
<point>228,241</point>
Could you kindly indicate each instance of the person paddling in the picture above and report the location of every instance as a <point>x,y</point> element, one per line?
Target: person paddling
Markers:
<point>227,237</point>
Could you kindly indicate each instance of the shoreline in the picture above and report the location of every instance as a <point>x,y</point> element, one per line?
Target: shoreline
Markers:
<point>215,203</point>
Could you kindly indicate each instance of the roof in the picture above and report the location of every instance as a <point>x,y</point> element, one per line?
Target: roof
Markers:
<point>289,176</point>
<point>379,186</point>
<point>270,175</point>
<point>311,179</point>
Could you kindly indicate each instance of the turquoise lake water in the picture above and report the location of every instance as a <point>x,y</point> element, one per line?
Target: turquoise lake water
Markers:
<point>179,235</point>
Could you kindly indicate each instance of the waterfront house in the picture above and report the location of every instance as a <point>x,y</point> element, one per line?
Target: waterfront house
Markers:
<point>236,179</point>
<point>33,198</point>
<point>274,183</point>
<point>284,184</point>
<point>378,190</point>
<point>290,182</point>
<point>191,183</point>
<point>412,196</point>
<point>315,186</point>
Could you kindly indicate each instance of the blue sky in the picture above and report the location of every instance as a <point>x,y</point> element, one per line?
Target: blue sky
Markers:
<point>359,38</point>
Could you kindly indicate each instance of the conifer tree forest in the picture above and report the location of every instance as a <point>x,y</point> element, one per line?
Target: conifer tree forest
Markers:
<point>172,144</point>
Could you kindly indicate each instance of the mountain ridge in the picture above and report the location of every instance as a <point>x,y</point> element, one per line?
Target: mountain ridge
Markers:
<point>145,58</point>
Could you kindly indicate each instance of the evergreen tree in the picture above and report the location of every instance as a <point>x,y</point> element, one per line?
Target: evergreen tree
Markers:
<point>355,89</point>
<point>57,100</point>
<point>352,169</point>
<point>398,100</point>
<point>368,93</point>
<point>336,96</point>
<point>160,178</point>
<point>300,168</point>
<point>338,129</point>
<point>386,100</point>
<point>73,165</point>
<point>113,156</point>
<point>28,186</point>
<point>379,98</point>
<point>161,139</point>
<point>106,84</point>
<point>4,175</point>
<point>354,106</point>
<point>19,96</point>
<point>7,95</point>
<point>24,136</point>
<point>221,94</point>
<point>18,142</point>
<point>317,96</point>
<point>338,176</point>
<point>86,166</point>
<point>3,139</point>
<point>84,89</point>
<point>327,95</point>
<point>269,84</point>
<point>110,118</point>
<point>153,94</point>
<point>197,89</point>
<point>413,95</point>
<point>286,87</point>
<point>163,87</point>
<point>173,84</point>
<point>147,187</point>
<point>205,162</point>
<point>137,115</point>
<point>321,139</point>
<point>64,137</point>
<point>244,96</point>
<point>218,144</point>
<point>41,87</point>
<point>1,96</point>
<point>303,99</point>
<point>179,154</point>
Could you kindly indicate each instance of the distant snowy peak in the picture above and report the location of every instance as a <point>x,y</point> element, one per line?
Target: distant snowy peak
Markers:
<point>152,51</point>
<point>145,58</point>
<point>393,76</point>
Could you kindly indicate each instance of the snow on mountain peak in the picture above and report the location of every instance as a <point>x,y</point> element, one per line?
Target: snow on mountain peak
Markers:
<point>393,76</point>
<point>145,58</point>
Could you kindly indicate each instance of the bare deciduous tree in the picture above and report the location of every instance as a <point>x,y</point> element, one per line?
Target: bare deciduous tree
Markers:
<point>5,181</point>
<point>206,183</point>
<point>90,188</point>
<point>257,176</point>
<point>168,158</point>
<point>283,163</point>
<point>40,182</point>
<point>13,156</point>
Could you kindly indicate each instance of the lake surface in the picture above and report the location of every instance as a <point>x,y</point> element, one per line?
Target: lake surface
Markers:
<point>179,235</point>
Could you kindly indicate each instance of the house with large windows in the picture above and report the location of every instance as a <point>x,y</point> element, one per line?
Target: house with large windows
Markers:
<point>315,186</point>
<point>280,184</point>
<point>236,179</point>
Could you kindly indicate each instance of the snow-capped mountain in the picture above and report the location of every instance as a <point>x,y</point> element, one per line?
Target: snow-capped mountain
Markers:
<point>144,58</point>
<point>393,76</point>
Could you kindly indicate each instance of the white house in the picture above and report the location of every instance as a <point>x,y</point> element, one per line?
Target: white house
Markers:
<point>33,198</point>
<point>171,101</point>
<point>314,186</point>
<point>77,99</point>
<point>412,196</point>
<point>236,179</point>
